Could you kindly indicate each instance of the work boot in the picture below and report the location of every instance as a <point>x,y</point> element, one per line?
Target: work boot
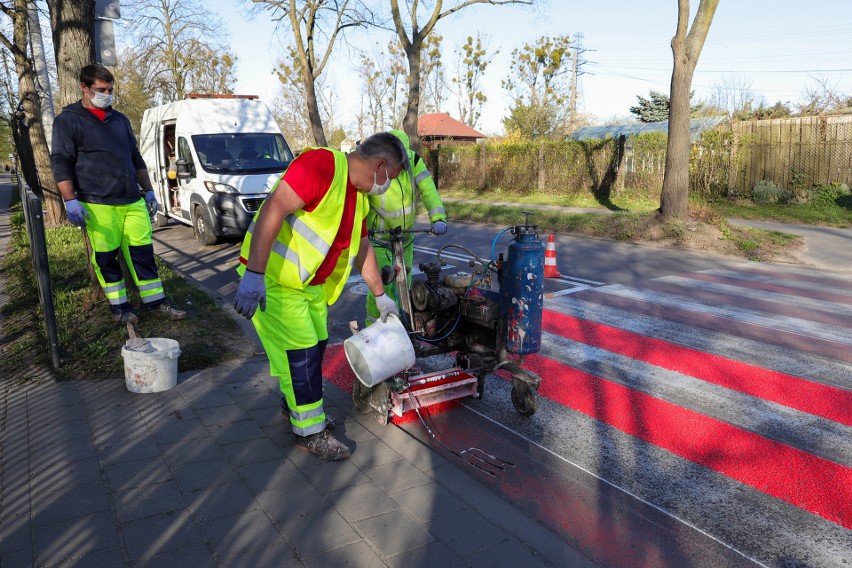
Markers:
<point>166,309</point>
<point>126,317</point>
<point>324,446</point>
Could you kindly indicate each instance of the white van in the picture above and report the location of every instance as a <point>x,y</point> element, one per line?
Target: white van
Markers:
<point>212,160</point>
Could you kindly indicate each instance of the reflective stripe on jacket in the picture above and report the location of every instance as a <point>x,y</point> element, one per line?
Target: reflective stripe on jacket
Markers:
<point>306,238</point>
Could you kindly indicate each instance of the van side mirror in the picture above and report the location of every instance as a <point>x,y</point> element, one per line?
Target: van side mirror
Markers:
<point>184,169</point>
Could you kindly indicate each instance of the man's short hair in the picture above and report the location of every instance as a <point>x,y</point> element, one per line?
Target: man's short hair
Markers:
<point>386,146</point>
<point>95,72</point>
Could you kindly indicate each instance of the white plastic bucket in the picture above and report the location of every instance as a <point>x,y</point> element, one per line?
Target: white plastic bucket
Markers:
<point>153,369</point>
<point>380,351</point>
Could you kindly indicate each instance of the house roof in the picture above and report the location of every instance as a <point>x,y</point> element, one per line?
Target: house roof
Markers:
<point>696,127</point>
<point>442,125</point>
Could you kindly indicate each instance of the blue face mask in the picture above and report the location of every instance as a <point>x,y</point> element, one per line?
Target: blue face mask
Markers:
<point>381,189</point>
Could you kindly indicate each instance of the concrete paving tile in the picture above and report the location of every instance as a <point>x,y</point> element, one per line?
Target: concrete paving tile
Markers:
<point>71,450</point>
<point>357,555</point>
<point>507,554</point>
<point>265,415</point>
<point>282,504</point>
<point>176,431</point>
<point>101,559</point>
<point>273,557</point>
<point>15,533</point>
<point>235,534</point>
<point>209,399</point>
<point>429,501</point>
<point>246,387</point>
<point>421,456</point>
<point>318,532</point>
<point>396,476</point>
<point>270,474</point>
<point>329,476</point>
<point>199,475</point>
<point>221,501</point>
<point>76,537</point>
<point>189,451</point>
<point>70,503</point>
<point>371,453</point>
<point>433,554</point>
<point>127,475</point>
<point>221,414</point>
<point>174,413</point>
<point>150,536</point>
<point>117,426</point>
<point>251,451</point>
<point>235,432</point>
<point>60,433</point>
<point>193,556</point>
<point>65,474</point>
<point>146,501</point>
<point>119,451</point>
<point>394,532</point>
<point>466,532</point>
<point>362,501</point>
<point>18,559</point>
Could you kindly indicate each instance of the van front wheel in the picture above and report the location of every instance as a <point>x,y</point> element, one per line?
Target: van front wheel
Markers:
<point>202,227</point>
<point>160,220</point>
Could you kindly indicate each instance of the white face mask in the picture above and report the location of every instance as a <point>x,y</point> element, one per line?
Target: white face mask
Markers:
<point>101,100</point>
<point>380,189</point>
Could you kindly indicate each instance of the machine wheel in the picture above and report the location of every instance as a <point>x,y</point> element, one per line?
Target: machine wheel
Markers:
<point>524,399</point>
<point>202,226</point>
<point>160,220</point>
<point>360,397</point>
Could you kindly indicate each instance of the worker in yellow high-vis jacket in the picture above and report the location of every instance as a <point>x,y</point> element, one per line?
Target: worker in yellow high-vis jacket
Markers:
<point>295,260</point>
<point>397,207</point>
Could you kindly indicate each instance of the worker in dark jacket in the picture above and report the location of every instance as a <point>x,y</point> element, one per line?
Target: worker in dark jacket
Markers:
<point>98,170</point>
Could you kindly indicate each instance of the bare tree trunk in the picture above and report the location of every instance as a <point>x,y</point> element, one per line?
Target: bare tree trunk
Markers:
<point>32,113</point>
<point>686,48</point>
<point>313,108</point>
<point>409,121</point>
<point>72,26</point>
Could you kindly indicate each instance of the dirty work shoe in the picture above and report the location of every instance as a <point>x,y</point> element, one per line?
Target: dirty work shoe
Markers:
<point>170,312</point>
<point>324,446</point>
<point>126,317</point>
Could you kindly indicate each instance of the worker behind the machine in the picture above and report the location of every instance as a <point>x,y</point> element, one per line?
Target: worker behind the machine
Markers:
<point>398,208</point>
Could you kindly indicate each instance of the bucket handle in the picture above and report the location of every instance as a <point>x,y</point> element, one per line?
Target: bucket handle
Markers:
<point>174,353</point>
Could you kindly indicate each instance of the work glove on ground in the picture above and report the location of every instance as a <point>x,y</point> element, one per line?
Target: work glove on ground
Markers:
<point>77,214</point>
<point>151,202</point>
<point>386,306</point>
<point>251,293</point>
<point>439,228</point>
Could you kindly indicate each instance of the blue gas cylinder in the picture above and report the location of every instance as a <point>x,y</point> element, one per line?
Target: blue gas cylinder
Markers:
<point>522,291</point>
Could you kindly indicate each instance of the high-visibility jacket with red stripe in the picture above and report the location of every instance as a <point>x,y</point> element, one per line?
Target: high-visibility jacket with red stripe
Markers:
<point>306,238</point>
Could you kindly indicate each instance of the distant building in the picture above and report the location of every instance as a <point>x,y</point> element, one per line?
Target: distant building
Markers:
<point>441,127</point>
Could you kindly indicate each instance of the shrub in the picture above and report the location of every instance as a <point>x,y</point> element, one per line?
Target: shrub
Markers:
<point>830,195</point>
<point>766,192</point>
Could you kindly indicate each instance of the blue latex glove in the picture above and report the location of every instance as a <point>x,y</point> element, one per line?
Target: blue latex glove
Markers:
<point>151,202</point>
<point>386,306</point>
<point>439,228</point>
<point>251,293</point>
<point>77,214</point>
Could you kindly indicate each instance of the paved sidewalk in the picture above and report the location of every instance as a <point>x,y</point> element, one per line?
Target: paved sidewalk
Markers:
<point>206,474</point>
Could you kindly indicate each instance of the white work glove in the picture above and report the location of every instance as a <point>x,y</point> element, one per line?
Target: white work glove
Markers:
<point>386,306</point>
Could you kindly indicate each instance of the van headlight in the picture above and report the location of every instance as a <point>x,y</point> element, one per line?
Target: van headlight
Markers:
<point>214,187</point>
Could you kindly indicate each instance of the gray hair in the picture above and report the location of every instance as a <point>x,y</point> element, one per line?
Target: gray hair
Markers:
<point>385,146</point>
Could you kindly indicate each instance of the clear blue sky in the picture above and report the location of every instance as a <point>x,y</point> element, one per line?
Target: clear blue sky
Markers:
<point>778,47</point>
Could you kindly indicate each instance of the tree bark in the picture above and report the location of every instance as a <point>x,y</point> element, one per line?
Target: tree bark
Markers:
<point>72,26</point>
<point>686,49</point>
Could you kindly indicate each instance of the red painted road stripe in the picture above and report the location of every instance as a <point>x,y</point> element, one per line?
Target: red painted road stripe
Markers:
<point>808,396</point>
<point>814,484</point>
<point>781,338</point>
<point>730,298</point>
<point>769,287</point>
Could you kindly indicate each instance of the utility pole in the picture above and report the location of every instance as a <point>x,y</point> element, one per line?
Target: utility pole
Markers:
<point>43,89</point>
<point>576,63</point>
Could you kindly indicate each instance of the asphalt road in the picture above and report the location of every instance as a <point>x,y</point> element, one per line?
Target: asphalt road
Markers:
<point>694,410</point>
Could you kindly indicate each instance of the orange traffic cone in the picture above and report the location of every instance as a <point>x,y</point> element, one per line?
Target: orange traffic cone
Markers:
<point>550,270</point>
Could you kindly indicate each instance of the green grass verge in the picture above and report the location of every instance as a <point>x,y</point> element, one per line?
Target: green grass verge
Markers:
<point>89,339</point>
<point>808,214</point>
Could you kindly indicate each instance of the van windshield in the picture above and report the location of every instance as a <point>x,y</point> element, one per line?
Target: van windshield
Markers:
<point>242,153</point>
